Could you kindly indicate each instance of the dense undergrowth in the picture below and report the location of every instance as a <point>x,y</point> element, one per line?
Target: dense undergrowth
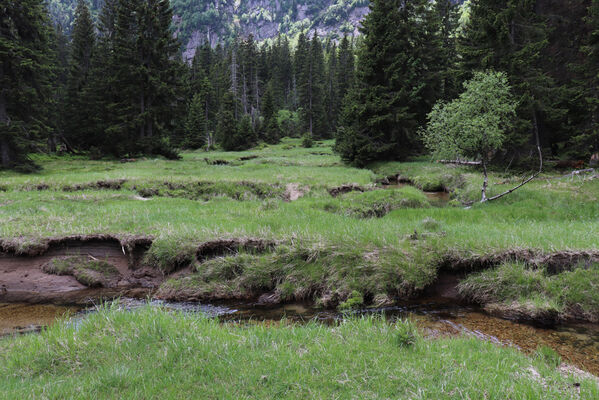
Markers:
<point>156,354</point>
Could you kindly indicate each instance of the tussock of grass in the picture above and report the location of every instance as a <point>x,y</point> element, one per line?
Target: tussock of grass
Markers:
<point>545,216</point>
<point>424,175</point>
<point>87,271</point>
<point>155,354</point>
<point>570,294</point>
<point>328,275</point>
<point>376,203</point>
<point>207,190</point>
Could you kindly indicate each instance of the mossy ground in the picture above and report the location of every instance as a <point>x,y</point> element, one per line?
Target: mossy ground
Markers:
<point>379,242</point>
<point>89,272</point>
<point>154,354</point>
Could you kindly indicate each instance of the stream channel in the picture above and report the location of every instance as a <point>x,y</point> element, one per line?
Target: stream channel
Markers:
<point>436,317</point>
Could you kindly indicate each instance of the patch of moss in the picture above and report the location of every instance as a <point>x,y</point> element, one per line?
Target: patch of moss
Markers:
<point>86,270</point>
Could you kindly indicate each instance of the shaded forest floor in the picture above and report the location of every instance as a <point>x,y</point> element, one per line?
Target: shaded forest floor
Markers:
<point>286,223</point>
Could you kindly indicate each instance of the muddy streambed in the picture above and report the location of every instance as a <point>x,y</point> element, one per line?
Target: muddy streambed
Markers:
<point>577,344</point>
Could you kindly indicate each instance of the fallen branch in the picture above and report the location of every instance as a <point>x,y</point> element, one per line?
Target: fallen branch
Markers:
<point>574,173</point>
<point>460,162</point>
<point>531,177</point>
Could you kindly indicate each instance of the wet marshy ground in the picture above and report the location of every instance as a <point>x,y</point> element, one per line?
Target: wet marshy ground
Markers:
<point>438,199</point>
<point>25,318</point>
<point>577,344</point>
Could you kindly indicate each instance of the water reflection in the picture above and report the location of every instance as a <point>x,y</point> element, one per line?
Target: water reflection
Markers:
<point>578,344</point>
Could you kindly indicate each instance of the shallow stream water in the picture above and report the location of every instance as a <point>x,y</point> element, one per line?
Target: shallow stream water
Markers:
<point>577,344</point>
<point>438,199</point>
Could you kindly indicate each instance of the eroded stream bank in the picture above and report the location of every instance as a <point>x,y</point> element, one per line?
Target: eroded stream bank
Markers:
<point>578,344</point>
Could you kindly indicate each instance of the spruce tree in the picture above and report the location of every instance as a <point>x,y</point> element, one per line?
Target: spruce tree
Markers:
<point>143,62</point>
<point>271,127</point>
<point>59,56</point>
<point>588,140</point>
<point>78,109</point>
<point>25,72</point>
<point>245,136</point>
<point>195,125</point>
<point>311,87</point>
<point>332,100</point>
<point>447,13</point>
<point>345,67</point>
<point>511,38</point>
<point>382,113</point>
<point>226,130</point>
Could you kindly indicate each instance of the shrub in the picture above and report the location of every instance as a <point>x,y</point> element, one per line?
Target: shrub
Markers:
<point>406,334</point>
<point>307,141</point>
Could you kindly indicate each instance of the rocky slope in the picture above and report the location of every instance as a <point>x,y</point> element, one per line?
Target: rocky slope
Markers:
<point>197,21</point>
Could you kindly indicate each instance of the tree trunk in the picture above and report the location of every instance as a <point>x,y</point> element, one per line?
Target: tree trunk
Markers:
<point>5,160</point>
<point>310,97</point>
<point>149,122</point>
<point>142,109</point>
<point>485,182</point>
<point>536,132</point>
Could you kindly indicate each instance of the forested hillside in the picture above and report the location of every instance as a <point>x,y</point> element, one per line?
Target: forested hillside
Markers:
<point>116,84</point>
<point>197,21</point>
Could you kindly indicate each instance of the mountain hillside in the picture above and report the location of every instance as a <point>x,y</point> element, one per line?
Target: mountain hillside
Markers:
<point>196,21</point>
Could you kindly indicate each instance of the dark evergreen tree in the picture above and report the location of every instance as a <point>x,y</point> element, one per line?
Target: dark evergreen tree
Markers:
<point>345,67</point>
<point>332,100</point>
<point>145,72</point>
<point>271,126</point>
<point>587,141</point>
<point>511,38</point>
<point>281,73</point>
<point>311,87</point>
<point>79,126</point>
<point>226,130</point>
<point>447,13</point>
<point>382,113</point>
<point>25,71</point>
<point>245,136</point>
<point>196,134</point>
<point>59,55</point>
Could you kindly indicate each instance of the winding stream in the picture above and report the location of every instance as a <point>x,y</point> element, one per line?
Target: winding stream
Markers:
<point>577,344</point>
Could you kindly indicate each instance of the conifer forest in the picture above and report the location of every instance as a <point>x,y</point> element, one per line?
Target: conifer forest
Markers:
<point>292,199</point>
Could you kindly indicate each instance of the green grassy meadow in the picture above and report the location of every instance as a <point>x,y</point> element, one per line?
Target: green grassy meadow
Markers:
<point>368,246</point>
<point>388,242</point>
<point>154,354</point>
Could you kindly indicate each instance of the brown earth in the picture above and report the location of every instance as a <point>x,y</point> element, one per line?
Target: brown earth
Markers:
<point>22,277</point>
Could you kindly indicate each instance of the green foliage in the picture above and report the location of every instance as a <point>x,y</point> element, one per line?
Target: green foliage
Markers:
<point>354,300</point>
<point>406,333</point>
<point>548,356</point>
<point>514,39</point>
<point>195,126</point>
<point>395,83</point>
<point>475,125</point>
<point>571,294</point>
<point>26,57</point>
<point>307,141</point>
